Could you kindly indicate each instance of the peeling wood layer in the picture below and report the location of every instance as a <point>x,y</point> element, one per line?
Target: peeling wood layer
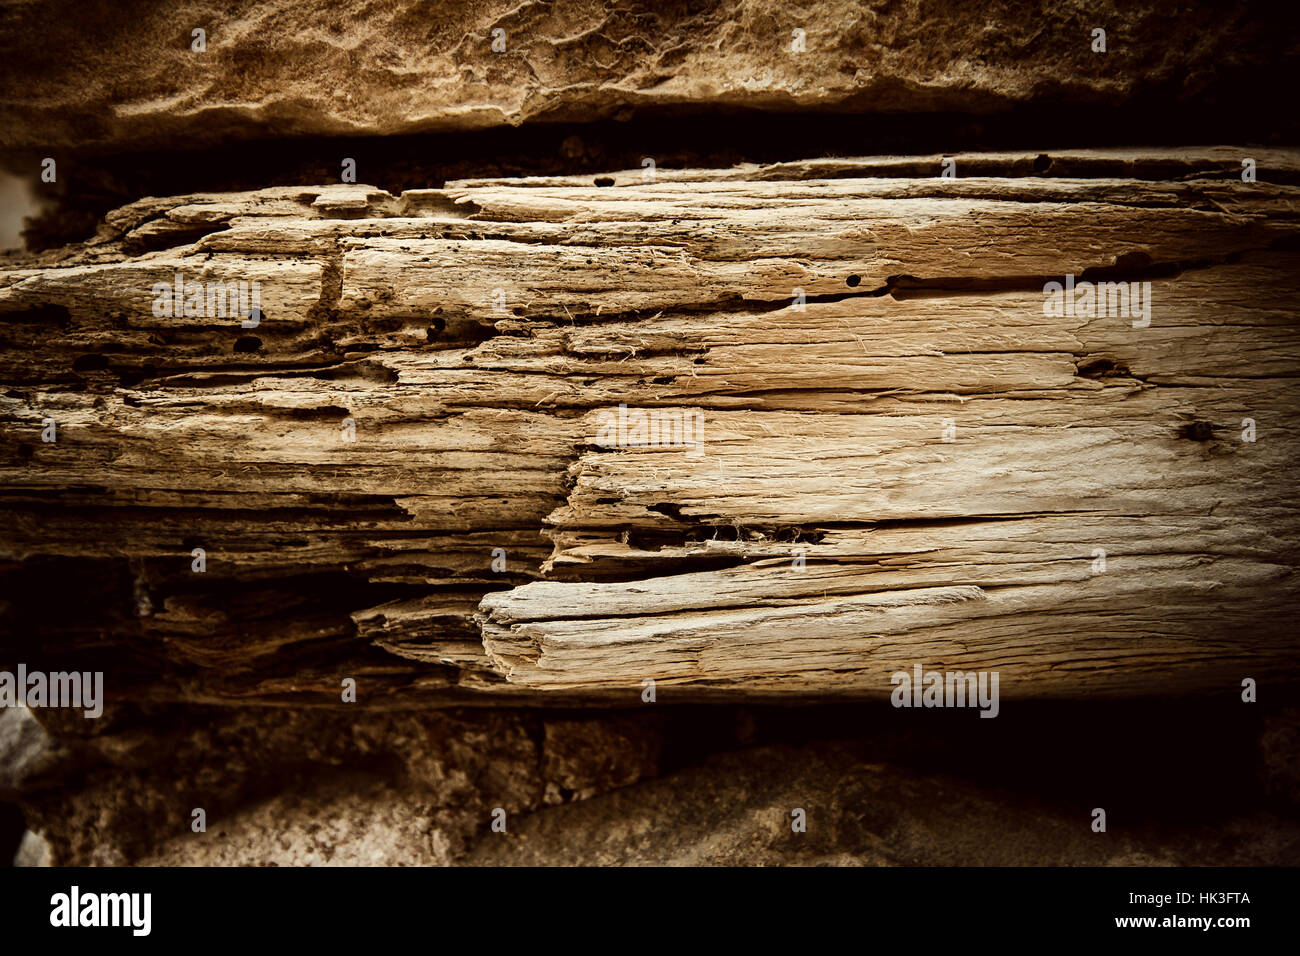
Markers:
<point>911,464</point>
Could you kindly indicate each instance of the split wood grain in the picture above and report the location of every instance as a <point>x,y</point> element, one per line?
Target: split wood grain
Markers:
<point>911,464</point>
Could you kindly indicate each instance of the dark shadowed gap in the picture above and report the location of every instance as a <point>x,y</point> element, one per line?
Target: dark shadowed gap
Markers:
<point>91,184</point>
<point>1168,762</point>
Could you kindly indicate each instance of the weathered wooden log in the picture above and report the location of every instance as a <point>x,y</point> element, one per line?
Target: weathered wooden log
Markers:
<point>784,430</point>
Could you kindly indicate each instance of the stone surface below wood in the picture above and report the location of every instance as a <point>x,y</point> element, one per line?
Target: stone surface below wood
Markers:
<point>1183,783</point>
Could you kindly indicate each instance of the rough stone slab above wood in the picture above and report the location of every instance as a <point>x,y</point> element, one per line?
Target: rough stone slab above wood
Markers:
<point>281,69</point>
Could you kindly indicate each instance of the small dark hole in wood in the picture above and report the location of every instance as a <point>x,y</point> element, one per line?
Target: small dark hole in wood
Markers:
<point>853,281</point>
<point>1196,431</point>
<point>132,377</point>
<point>323,411</point>
<point>89,363</point>
<point>605,181</point>
<point>1132,260</point>
<point>247,343</point>
<point>1042,163</point>
<point>1102,368</point>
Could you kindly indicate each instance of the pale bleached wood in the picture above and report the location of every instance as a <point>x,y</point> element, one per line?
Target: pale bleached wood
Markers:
<point>822,433</point>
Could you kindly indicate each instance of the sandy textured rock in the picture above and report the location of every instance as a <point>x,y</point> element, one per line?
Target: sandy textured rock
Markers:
<point>284,69</point>
<point>692,786</point>
<point>738,810</point>
<point>320,787</point>
<point>26,750</point>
